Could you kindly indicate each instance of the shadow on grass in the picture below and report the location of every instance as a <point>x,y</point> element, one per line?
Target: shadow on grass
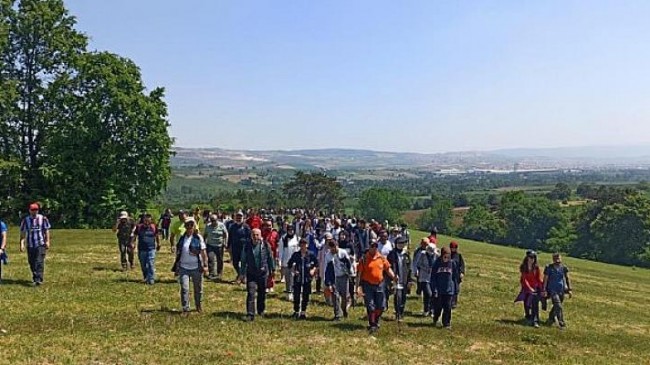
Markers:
<point>21,282</point>
<point>347,326</point>
<point>242,315</point>
<point>103,268</point>
<point>423,324</point>
<point>140,281</point>
<point>513,322</point>
<point>163,310</point>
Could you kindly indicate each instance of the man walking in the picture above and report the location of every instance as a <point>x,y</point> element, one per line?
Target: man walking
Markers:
<point>124,227</point>
<point>177,230</point>
<point>148,244</point>
<point>556,284</point>
<point>216,236</point>
<point>164,223</point>
<point>239,236</point>
<point>287,246</point>
<point>303,265</point>
<point>337,277</point>
<point>400,262</point>
<point>35,230</point>
<point>256,266</point>
<point>457,257</point>
<point>371,271</point>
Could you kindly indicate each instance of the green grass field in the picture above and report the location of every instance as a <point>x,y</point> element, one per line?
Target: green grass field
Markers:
<point>88,312</point>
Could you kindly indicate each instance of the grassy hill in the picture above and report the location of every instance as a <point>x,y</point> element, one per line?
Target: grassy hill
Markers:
<point>89,312</point>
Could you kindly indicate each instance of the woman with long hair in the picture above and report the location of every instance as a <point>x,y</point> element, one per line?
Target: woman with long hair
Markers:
<point>531,287</point>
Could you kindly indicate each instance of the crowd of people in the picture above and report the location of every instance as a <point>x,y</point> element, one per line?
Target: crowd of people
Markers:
<point>347,259</point>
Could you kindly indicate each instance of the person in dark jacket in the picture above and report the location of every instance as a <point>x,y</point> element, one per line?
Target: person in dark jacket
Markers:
<point>457,257</point>
<point>400,262</point>
<point>444,277</point>
<point>256,265</point>
<point>303,265</point>
<point>239,236</point>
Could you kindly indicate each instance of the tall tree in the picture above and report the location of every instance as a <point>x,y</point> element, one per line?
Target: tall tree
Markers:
<point>87,137</point>
<point>383,204</point>
<point>314,190</point>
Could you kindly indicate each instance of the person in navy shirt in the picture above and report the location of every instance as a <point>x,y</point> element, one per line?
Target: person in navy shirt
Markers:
<point>303,265</point>
<point>444,282</point>
<point>35,234</point>
<point>148,244</point>
<point>556,284</point>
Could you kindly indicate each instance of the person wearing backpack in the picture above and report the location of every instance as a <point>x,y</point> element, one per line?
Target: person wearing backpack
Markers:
<point>125,227</point>
<point>257,265</point>
<point>35,234</point>
<point>556,285</point>
<point>148,244</point>
<point>191,263</point>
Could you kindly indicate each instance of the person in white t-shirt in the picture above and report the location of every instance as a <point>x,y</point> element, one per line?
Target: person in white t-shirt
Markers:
<point>191,263</point>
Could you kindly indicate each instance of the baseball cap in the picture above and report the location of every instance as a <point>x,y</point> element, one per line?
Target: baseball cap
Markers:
<point>189,220</point>
<point>124,214</point>
<point>453,244</point>
<point>34,206</point>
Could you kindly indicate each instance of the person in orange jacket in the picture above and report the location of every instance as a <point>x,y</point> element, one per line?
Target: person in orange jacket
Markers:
<point>372,287</point>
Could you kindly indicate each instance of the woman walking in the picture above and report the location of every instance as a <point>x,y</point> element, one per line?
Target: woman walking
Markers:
<point>191,263</point>
<point>531,287</point>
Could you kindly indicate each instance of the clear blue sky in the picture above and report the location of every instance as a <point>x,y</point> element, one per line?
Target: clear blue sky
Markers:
<point>421,76</point>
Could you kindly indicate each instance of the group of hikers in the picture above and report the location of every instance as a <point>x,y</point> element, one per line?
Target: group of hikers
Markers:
<point>347,259</point>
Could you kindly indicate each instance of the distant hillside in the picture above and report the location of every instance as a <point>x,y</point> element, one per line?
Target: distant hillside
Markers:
<point>352,159</point>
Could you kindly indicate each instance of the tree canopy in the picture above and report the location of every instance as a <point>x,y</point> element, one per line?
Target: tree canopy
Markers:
<point>80,131</point>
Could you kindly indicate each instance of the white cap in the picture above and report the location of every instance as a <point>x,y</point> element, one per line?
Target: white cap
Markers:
<point>124,214</point>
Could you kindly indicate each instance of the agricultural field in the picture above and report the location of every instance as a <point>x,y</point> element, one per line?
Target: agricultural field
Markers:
<point>89,312</point>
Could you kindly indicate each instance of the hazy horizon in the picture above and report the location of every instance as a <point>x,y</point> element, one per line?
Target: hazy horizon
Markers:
<point>420,76</point>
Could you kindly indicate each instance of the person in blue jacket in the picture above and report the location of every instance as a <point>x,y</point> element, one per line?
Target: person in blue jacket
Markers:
<point>444,285</point>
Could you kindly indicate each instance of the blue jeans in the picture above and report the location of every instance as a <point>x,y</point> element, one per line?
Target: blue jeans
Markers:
<point>147,264</point>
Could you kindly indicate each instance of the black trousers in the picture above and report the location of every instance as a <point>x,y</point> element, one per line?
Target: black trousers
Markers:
<point>442,304</point>
<point>301,294</point>
<point>255,286</point>
<point>36,259</point>
<point>235,256</point>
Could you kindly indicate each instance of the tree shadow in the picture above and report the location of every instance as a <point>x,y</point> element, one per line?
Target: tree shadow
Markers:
<point>109,269</point>
<point>21,282</point>
<point>513,322</point>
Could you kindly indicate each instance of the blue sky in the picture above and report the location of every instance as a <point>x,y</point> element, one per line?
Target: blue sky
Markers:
<point>420,76</point>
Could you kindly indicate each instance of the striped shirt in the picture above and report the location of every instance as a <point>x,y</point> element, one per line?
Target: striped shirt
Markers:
<point>34,229</point>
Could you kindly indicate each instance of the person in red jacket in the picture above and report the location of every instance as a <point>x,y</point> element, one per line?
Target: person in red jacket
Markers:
<point>270,235</point>
<point>531,287</point>
<point>254,220</point>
